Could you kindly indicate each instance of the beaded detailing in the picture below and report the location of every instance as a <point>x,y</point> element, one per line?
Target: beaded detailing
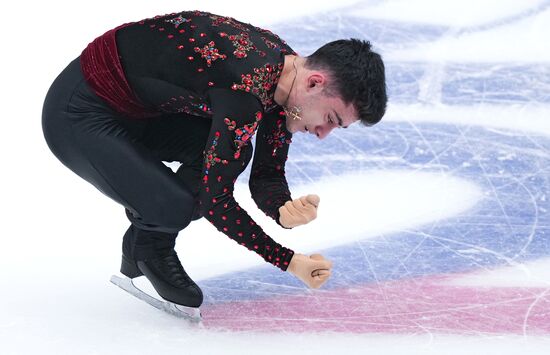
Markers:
<point>210,53</point>
<point>278,137</point>
<point>218,20</point>
<point>211,157</point>
<point>178,21</point>
<point>244,133</point>
<point>242,44</point>
<point>273,45</point>
<point>268,32</point>
<point>261,83</point>
<point>190,105</point>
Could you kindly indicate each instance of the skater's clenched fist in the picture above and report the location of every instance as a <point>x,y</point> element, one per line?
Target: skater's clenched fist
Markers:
<point>300,211</point>
<point>312,270</point>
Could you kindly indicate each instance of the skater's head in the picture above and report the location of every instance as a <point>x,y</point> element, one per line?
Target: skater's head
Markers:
<point>341,83</point>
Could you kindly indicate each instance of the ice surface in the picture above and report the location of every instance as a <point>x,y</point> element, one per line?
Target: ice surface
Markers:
<point>439,231</point>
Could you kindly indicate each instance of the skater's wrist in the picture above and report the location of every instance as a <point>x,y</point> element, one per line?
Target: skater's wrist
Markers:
<point>283,260</point>
<point>294,263</point>
<point>278,220</point>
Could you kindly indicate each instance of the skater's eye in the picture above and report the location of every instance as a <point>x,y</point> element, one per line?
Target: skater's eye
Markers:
<point>340,121</point>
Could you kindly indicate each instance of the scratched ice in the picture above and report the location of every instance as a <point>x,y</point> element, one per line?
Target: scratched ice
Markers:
<point>396,282</point>
<point>475,281</point>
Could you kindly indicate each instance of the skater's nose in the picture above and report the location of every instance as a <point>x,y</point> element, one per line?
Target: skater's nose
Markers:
<point>322,131</point>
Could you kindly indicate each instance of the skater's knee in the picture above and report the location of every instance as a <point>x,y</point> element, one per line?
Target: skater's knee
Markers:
<point>168,215</point>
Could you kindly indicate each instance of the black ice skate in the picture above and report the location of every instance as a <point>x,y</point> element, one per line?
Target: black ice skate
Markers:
<point>182,296</point>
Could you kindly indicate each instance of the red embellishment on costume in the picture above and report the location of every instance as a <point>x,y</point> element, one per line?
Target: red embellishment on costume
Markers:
<point>261,83</point>
<point>268,32</point>
<point>218,20</point>
<point>191,105</point>
<point>244,133</point>
<point>241,42</point>
<point>273,45</point>
<point>278,138</point>
<point>210,53</point>
<point>211,158</point>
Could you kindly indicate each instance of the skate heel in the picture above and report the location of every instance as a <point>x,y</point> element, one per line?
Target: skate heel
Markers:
<point>129,268</point>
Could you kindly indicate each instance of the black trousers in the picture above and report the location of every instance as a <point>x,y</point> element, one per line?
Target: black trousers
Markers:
<point>122,158</point>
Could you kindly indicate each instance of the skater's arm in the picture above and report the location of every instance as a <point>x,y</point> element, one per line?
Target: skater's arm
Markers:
<point>267,183</point>
<point>228,151</point>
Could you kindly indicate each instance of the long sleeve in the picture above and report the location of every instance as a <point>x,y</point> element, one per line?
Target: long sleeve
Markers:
<point>267,183</point>
<point>228,150</point>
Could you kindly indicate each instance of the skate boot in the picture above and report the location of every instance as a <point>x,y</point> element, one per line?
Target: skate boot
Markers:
<point>152,254</point>
<point>167,276</point>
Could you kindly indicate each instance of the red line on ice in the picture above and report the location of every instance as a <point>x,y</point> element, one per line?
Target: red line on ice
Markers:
<point>404,306</point>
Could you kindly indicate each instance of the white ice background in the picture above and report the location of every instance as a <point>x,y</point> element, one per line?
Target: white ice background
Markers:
<point>60,238</point>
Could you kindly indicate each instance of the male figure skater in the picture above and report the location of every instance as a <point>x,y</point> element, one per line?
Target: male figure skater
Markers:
<point>195,87</point>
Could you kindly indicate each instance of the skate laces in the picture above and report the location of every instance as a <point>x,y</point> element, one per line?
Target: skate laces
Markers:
<point>171,267</point>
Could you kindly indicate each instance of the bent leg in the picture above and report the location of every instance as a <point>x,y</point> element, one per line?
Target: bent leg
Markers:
<point>88,138</point>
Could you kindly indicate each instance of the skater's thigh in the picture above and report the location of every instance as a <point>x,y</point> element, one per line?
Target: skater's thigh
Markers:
<point>130,174</point>
<point>172,137</point>
<point>89,139</point>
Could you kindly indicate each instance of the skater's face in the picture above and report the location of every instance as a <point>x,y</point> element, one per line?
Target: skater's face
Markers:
<point>320,112</point>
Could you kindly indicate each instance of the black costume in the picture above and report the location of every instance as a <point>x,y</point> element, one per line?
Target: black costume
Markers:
<point>192,87</point>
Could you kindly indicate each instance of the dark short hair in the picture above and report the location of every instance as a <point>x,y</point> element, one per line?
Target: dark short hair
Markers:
<point>357,76</point>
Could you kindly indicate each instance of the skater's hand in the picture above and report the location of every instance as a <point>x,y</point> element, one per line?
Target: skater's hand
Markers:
<point>297,212</point>
<point>312,270</point>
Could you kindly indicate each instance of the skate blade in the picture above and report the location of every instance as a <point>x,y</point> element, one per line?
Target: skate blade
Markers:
<point>190,313</point>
